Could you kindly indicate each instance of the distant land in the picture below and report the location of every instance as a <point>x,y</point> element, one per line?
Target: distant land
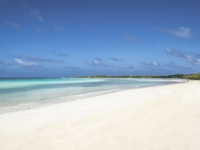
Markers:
<point>180,76</point>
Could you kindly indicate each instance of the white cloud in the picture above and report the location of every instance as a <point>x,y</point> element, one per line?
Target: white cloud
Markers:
<point>153,64</point>
<point>60,54</point>
<point>59,28</point>
<point>33,58</point>
<point>175,52</point>
<point>114,70</point>
<point>36,14</point>
<point>96,63</point>
<point>13,24</point>
<point>193,58</point>
<point>116,59</point>
<point>129,38</point>
<point>182,32</point>
<point>130,67</point>
<point>26,64</point>
<point>156,66</point>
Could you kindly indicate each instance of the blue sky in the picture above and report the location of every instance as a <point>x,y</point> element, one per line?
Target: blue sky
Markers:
<point>56,38</point>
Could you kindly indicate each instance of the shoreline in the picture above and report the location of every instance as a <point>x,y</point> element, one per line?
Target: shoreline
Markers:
<point>65,99</point>
<point>159,117</point>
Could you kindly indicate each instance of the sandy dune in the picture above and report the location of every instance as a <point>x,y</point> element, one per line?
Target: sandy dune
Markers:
<point>155,118</point>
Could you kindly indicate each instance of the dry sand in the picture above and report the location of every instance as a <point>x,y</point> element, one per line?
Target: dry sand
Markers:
<point>155,118</point>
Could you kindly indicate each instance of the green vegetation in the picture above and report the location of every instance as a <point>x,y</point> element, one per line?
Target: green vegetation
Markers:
<point>180,76</point>
<point>193,76</point>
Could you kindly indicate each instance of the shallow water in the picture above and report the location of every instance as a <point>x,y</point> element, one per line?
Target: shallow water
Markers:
<point>16,94</point>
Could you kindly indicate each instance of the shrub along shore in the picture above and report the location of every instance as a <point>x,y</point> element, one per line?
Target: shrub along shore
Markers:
<point>180,76</point>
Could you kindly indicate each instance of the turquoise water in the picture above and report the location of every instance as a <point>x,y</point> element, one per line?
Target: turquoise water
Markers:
<point>16,94</point>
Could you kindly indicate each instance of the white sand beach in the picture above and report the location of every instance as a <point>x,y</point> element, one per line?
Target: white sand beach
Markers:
<point>153,118</point>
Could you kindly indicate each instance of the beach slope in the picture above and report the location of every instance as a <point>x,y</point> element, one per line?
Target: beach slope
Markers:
<point>153,118</point>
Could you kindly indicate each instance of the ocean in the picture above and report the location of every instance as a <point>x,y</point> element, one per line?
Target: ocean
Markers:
<point>18,94</point>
